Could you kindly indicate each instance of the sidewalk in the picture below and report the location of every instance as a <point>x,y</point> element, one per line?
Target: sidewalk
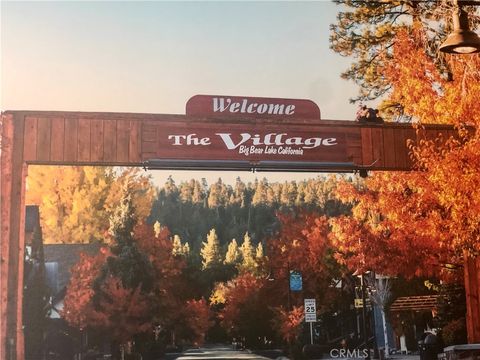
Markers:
<point>277,354</point>
<point>404,357</point>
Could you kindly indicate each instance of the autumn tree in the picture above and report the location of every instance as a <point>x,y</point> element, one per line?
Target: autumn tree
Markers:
<point>441,199</point>
<point>179,248</point>
<point>78,303</point>
<point>259,252</point>
<point>366,31</point>
<point>210,251</point>
<point>233,253</point>
<point>198,317</point>
<point>76,202</point>
<point>177,245</point>
<point>128,263</point>
<point>245,311</point>
<point>301,244</point>
<point>247,251</point>
<point>134,284</point>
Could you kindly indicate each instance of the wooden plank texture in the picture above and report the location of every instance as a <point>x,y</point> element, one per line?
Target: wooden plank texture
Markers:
<point>84,140</point>
<point>367,146</point>
<point>123,140</point>
<point>400,143</point>
<point>57,146</point>
<point>30,139</point>
<point>110,140</point>
<point>135,142</point>
<point>44,130</point>
<point>97,140</point>
<point>12,211</point>
<point>388,148</point>
<point>377,147</point>
<point>71,138</point>
<point>5,230</point>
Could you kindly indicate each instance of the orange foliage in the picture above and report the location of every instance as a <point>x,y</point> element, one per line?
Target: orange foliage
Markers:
<point>302,245</point>
<point>289,323</point>
<point>393,230</point>
<point>238,292</point>
<point>197,317</point>
<point>78,306</point>
<point>122,312</point>
<point>159,250</point>
<point>418,86</point>
<point>413,223</point>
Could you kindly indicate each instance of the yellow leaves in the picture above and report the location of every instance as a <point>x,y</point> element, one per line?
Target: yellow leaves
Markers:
<point>76,202</point>
<point>218,295</point>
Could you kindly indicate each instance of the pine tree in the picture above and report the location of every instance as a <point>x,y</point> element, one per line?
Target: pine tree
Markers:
<point>186,249</point>
<point>260,195</point>
<point>210,251</point>
<point>239,193</point>
<point>248,253</point>
<point>128,264</point>
<point>233,253</point>
<point>177,247</point>
<point>198,195</point>
<point>366,30</point>
<point>157,228</point>
<point>259,252</point>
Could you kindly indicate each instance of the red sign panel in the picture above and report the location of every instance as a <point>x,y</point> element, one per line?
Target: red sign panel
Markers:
<point>251,107</point>
<point>248,142</point>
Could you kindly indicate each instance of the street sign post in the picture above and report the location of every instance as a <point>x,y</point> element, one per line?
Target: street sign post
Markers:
<point>295,281</point>
<point>310,314</point>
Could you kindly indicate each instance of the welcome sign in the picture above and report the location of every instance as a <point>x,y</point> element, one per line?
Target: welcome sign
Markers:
<point>220,106</point>
<point>253,129</point>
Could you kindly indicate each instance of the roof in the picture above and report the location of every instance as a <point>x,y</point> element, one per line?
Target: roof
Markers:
<point>415,303</point>
<point>66,256</point>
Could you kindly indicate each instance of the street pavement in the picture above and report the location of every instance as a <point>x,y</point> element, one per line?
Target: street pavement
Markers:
<point>221,352</point>
<point>217,352</point>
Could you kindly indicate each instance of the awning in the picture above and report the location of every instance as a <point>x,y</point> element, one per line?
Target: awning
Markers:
<point>415,303</point>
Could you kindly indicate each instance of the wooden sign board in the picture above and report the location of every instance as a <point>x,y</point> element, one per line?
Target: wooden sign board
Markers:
<point>243,141</point>
<point>220,106</point>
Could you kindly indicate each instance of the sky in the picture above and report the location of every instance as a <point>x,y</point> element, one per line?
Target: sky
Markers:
<point>151,57</point>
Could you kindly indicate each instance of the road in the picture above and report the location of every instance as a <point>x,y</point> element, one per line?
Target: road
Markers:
<point>217,352</point>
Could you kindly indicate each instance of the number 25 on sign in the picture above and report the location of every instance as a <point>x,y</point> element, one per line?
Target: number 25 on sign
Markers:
<point>310,310</point>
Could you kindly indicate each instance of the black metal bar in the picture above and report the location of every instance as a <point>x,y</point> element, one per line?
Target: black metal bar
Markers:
<point>236,165</point>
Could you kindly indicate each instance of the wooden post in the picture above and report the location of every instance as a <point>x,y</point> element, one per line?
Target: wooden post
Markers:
<point>12,187</point>
<point>472,292</point>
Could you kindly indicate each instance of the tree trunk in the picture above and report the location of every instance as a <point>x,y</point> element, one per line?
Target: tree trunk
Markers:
<point>385,333</point>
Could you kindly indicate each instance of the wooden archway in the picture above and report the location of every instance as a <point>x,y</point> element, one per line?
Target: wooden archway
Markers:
<point>121,139</point>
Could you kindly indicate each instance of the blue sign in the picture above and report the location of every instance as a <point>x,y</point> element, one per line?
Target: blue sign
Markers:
<point>295,281</point>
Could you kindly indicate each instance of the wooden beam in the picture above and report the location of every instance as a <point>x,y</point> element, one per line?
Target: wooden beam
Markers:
<point>12,241</point>
<point>6,155</point>
<point>472,292</point>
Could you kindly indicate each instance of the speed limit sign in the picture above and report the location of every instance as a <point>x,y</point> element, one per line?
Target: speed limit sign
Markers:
<point>310,310</point>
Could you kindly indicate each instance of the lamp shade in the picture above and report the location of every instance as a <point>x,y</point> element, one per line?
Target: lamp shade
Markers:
<point>462,40</point>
